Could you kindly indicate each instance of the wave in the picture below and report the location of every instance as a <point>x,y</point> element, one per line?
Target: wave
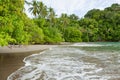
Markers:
<point>68,63</point>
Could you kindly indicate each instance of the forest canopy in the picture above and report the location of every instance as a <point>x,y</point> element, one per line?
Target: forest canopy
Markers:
<point>46,28</point>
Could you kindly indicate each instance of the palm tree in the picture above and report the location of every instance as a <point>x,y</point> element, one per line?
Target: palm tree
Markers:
<point>51,16</point>
<point>38,9</point>
<point>42,10</point>
<point>34,7</point>
<point>65,20</point>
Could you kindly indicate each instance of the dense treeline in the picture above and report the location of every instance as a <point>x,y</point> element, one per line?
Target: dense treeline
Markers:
<point>47,28</point>
<point>108,21</point>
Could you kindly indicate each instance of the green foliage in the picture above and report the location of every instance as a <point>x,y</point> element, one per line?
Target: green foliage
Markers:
<point>34,30</point>
<point>37,35</point>
<point>17,28</point>
<point>6,24</point>
<point>12,23</point>
<point>89,29</point>
<point>39,22</point>
<point>52,35</point>
<point>108,22</point>
<point>5,39</point>
<point>14,26</point>
<point>72,34</point>
<point>21,36</point>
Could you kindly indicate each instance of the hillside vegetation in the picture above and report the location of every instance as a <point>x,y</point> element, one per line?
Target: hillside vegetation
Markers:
<point>47,28</point>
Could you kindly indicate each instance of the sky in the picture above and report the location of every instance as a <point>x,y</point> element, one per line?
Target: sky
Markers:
<point>78,7</point>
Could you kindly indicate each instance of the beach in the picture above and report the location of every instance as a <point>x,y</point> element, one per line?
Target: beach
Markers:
<point>11,58</point>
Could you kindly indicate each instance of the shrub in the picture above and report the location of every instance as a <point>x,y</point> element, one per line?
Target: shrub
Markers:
<point>52,35</point>
<point>72,34</point>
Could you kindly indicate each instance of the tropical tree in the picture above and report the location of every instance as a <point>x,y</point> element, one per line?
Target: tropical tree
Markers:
<point>42,10</point>
<point>38,9</point>
<point>52,35</point>
<point>12,22</point>
<point>73,20</point>
<point>51,16</point>
<point>34,7</point>
<point>64,20</point>
<point>89,29</point>
<point>72,34</point>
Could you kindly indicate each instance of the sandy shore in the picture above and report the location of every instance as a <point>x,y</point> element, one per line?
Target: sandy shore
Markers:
<point>11,59</point>
<point>24,49</point>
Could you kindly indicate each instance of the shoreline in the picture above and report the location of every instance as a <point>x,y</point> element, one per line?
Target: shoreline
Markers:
<point>11,59</point>
<point>24,49</point>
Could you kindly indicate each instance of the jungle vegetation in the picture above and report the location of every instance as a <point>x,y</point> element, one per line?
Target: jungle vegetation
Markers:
<point>46,28</point>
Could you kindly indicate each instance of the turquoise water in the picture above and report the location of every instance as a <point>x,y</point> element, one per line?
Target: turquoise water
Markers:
<point>78,61</point>
<point>101,46</point>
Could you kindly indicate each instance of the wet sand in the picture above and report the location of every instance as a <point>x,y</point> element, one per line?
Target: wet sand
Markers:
<point>11,59</point>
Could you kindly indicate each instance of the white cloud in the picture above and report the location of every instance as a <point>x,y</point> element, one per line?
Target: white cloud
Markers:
<point>78,7</point>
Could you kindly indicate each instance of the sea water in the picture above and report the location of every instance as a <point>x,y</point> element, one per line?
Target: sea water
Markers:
<point>79,61</point>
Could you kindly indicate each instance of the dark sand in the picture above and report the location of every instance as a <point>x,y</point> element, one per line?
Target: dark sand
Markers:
<point>12,59</point>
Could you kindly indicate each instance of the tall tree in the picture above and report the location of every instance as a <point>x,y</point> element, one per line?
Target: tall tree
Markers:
<point>89,29</point>
<point>12,22</point>
<point>38,9</point>
<point>64,20</point>
<point>34,7</point>
<point>42,10</point>
<point>73,20</point>
<point>51,16</point>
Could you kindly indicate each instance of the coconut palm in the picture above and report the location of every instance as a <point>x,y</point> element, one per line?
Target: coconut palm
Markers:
<point>51,16</point>
<point>42,10</point>
<point>38,9</point>
<point>34,7</point>
<point>65,20</point>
